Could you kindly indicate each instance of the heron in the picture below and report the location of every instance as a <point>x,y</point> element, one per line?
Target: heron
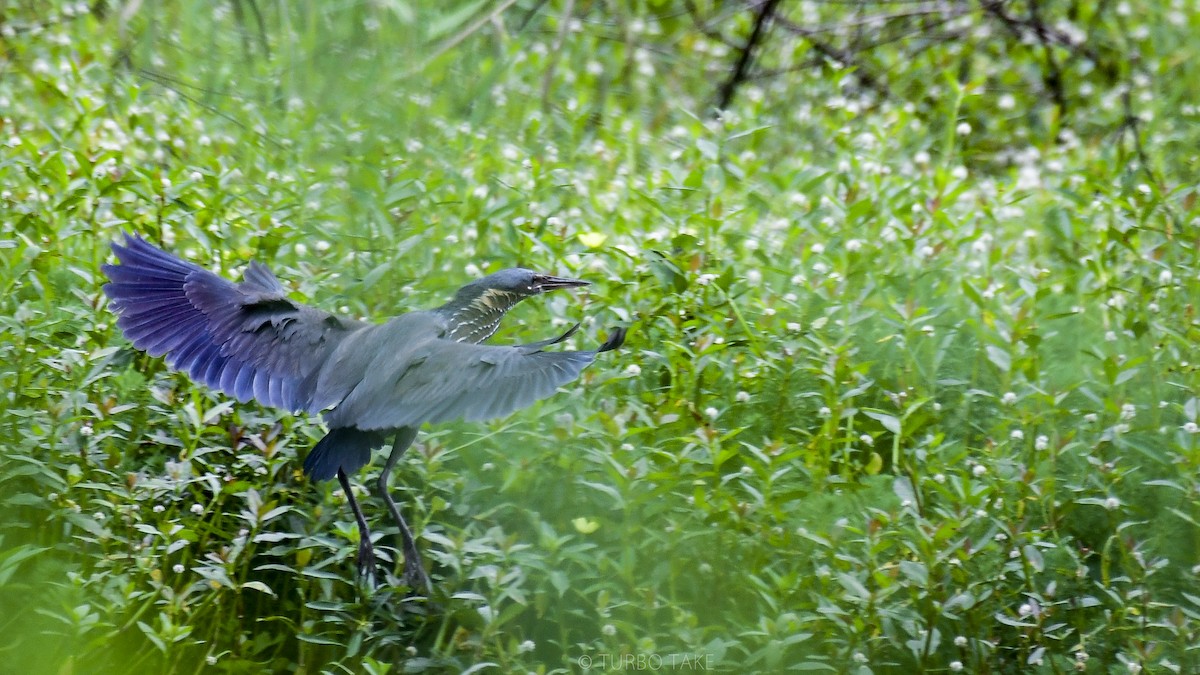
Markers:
<point>369,381</point>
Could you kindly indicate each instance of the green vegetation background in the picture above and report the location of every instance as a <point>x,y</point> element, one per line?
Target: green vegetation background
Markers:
<point>912,376</point>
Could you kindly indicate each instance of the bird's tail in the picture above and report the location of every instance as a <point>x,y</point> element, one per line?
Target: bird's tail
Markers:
<point>615,339</point>
<point>345,448</point>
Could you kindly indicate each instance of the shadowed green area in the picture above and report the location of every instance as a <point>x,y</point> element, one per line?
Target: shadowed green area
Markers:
<point>910,383</point>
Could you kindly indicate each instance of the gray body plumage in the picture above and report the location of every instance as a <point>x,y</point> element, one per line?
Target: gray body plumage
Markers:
<point>370,381</point>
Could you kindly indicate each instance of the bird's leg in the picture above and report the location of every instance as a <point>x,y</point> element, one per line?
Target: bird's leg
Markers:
<point>366,552</point>
<point>414,573</point>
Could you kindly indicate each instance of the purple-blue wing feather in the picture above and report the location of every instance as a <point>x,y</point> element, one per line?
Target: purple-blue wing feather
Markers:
<point>247,340</point>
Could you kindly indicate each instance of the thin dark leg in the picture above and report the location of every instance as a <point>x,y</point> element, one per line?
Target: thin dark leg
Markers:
<point>366,552</point>
<point>414,572</point>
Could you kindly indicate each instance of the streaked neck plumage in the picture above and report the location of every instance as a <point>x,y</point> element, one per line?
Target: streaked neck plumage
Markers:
<point>475,312</point>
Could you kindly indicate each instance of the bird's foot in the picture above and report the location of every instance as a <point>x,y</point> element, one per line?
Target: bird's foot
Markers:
<point>366,561</point>
<point>415,577</point>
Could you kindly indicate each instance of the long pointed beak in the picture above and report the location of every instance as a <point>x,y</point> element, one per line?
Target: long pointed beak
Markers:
<point>545,282</point>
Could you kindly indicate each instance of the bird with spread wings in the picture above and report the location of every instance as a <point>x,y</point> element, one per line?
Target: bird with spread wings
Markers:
<point>370,381</point>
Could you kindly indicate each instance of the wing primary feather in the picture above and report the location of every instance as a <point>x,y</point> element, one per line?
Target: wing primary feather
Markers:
<point>246,339</point>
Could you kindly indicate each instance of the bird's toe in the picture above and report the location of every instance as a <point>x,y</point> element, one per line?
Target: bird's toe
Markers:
<point>366,561</point>
<point>415,578</point>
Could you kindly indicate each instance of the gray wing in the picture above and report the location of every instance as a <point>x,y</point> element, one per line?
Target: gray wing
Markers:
<point>248,339</point>
<point>448,380</point>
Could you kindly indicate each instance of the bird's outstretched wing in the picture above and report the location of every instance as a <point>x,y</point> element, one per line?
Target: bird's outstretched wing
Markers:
<point>247,340</point>
<point>448,380</point>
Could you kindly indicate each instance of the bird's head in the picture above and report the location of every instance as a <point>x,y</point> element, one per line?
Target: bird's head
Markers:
<point>525,283</point>
<point>477,308</point>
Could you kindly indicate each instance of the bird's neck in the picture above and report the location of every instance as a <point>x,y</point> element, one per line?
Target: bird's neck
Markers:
<point>474,315</point>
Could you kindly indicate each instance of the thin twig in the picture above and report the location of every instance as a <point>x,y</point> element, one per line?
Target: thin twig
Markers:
<point>564,27</point>
<point>765,13</point>
<point>167,83</point>
<point>457,39</point>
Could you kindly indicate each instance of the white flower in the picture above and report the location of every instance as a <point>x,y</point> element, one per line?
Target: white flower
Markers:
<point>939,478</point>
<point>859,657</point>
<point>1091,418</point>
<point>793,326</point>
<point>711,413</point>
<point>1042,442</point>
<point>197,509</point>
<point>960,641</point>
<point>526,646</point>
<point>1191,427</point>
<point>1009,398</point>
<point>818,249</point>
<point>979,470</point>
<point>854,245</point>
<point>159,508</point>
<point>867,440</point>
<point>100,515</point>
<point>178,568</point>
<point>824,412</point>
<point>742,396</point>
<point>633,369</point>
<point>1017,435</point>
<point>1128,411</point>
<point>963,129</point>
<point>1025,609</point>
<point>1112,503</point>
<point>956,666</point>
<point>609,629</point>
<point>705,279</point>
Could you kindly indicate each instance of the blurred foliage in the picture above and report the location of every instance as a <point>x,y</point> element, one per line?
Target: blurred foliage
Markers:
<point>911,385</point>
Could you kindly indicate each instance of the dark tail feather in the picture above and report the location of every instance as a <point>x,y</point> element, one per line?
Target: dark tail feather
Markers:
<point>615,339</point>
<point>345,448</point>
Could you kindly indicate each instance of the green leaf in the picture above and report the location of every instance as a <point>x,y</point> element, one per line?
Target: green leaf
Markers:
<point>259,586</point>
<point>889,422</point>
